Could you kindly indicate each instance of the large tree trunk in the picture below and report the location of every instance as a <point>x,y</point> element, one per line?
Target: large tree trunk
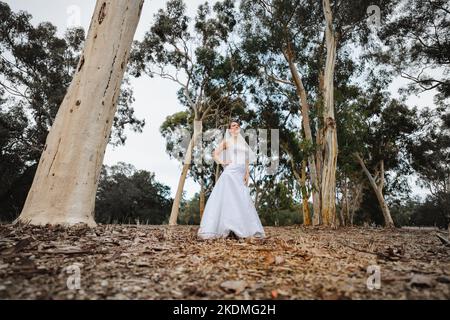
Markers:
<point>65,184</point>
<point>328,191</point>
<point>186,164</point>
<point>318,219</point>
<point>389,223</point>
<point>306,123</point>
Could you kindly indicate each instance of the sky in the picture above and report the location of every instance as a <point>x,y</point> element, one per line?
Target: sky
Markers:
<point>155,98</point>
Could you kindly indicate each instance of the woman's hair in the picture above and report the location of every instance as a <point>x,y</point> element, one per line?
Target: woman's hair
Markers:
<point>234,120</point>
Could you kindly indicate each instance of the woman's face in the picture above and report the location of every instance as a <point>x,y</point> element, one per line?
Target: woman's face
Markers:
<point>234,128</point>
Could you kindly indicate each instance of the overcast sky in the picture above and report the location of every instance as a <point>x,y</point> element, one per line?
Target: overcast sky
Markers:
<point>155,98</point>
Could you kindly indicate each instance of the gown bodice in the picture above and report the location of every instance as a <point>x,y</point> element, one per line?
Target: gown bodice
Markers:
<point>237,153</point>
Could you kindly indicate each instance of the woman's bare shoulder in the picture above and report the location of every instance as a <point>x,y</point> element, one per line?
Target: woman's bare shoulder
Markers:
<point>224,143</point>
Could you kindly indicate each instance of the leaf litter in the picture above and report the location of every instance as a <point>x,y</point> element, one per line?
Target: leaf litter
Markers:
<point>169,262</point>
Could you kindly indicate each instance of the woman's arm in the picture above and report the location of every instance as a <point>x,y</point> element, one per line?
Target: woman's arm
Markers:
<point>247,172</point>
<point>222,146</point>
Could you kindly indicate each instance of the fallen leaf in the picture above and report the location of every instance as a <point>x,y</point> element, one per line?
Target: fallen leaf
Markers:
<point>279,260</point>
<point>274,294</point>
<point>422,281</point>
<point>443,279</point>
<point>269,258</point>
<point>236,286</point>
<point>16,248</point>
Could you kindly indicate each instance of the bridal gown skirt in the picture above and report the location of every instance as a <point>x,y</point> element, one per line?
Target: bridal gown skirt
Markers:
<point>230,208</point>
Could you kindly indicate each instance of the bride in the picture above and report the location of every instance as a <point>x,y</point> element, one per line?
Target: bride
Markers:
<point>230,209</point>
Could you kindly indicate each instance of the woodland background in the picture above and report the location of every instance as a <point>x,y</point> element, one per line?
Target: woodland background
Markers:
<point>232,52</point>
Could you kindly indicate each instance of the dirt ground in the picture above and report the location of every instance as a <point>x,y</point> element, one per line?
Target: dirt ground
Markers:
<point>162,262</point>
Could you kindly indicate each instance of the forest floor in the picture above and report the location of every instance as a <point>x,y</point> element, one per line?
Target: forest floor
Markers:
<point>162,262</point>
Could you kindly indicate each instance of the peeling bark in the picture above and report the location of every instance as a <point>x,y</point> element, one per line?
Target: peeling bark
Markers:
<point>328,191</point>
<point>64,188</point>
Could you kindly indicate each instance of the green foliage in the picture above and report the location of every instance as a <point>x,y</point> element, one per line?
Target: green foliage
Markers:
<point>430,154</point>
<point>418,45</point>
<point>434,211</point>
<point>276,204</point>
<point>198,56</point>
<point>197,51</point>
<point>127,195</point>
<point>283,217</point>
<point>190,211</point>
<point>430,151</point>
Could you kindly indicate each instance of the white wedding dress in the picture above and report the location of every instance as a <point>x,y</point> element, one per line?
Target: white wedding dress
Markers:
<point>230,207</point>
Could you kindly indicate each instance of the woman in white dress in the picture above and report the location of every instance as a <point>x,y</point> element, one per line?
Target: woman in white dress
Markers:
<point>230,209</point>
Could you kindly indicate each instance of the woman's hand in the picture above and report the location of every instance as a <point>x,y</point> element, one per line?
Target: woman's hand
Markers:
<point>246,177</point>
<point>222,146</point>
<point>225,162</point>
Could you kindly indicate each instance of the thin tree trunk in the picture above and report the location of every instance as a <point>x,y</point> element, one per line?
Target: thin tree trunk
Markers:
<point>186,164</point>
<point>319,140</point>
<point>202,200</point>
<point>381,183</point>
<point>341,217</point>
<point>177,200</point>
<point>347,211</point>
<point>256,197</point>
<point>301,179</point>
<point>342,211</point>
<point>301,92</point>
<point>305,196</point>
<point>356,201</point>
<point>389,223</point>
<point>217,172</point>
<point>328,191</point>
<point>257,190</point>
<point>65,184</point>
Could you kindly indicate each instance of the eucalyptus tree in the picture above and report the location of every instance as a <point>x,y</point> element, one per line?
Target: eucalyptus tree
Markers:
<point>198,56</point>
<point>302,44</point>
<point>65,183</point>
<point>36,68</point>
<point>375,135</point>
<point>430,157</point>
